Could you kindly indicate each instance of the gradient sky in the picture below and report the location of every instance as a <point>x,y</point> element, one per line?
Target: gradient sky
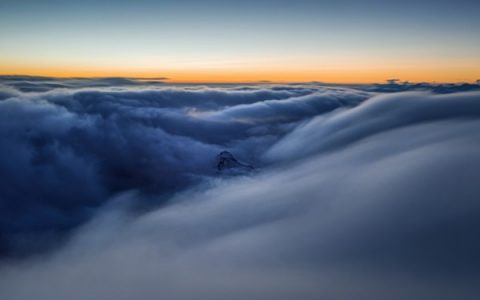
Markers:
<point>207,41</point>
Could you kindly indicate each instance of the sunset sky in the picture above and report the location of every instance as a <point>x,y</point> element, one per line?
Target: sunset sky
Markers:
<point>243,41</point>
<point>233,150</point>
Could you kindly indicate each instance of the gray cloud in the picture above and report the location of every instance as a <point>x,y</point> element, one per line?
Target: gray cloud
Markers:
<point>66,151</point>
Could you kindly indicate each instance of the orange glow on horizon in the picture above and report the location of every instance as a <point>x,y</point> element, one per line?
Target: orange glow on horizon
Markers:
<point>274,75</point>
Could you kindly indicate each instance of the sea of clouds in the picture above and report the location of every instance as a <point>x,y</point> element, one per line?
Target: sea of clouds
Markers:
<point>109,190</point>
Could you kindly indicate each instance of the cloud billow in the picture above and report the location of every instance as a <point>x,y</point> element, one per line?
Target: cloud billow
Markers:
<point>67,150</point>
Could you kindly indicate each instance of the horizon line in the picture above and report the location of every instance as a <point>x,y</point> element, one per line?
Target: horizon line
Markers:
<point>167,80</point>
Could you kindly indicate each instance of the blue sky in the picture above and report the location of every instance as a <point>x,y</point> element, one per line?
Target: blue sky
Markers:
<point>157,37</point>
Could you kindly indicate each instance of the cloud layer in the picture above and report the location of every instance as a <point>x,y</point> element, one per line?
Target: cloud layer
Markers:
<point>357,193</point>
<point>66,150</point>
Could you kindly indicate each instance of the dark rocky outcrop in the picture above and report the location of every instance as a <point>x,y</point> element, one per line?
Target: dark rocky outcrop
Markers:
<point>226,163</point>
